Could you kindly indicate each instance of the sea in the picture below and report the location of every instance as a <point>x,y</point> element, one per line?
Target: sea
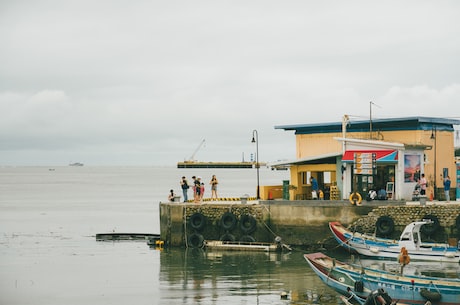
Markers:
<point>49,217</point>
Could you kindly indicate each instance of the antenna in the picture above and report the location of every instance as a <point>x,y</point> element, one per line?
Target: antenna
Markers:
<point>370,117</point>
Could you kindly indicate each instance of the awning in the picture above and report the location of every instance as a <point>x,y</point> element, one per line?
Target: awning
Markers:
<point>330,158</point>
<point>381,156</point>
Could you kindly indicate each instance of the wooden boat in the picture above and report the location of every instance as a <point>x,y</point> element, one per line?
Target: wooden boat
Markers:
<point>410,238</point>
<point>361,281</point>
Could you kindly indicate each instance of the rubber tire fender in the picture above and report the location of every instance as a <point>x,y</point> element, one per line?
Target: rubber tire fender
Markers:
<point>198,221</point>
<point>457,222</point>
<point>430,228</point>
<point>248,224</point>
<point>247,238</point>
<point>195,240</point>
<point>385,225</point>
<point>228,221</point>
<point>227,237</point>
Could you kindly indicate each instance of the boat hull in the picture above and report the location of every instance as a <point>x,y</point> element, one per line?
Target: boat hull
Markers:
<point>387,248</point>
<point>405,289</point>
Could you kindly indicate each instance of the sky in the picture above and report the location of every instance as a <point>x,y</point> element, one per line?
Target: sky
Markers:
<point>145,82</point>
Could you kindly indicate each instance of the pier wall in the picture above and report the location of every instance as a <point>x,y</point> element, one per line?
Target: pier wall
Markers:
<point>295,223</point>
<point>302,223</point>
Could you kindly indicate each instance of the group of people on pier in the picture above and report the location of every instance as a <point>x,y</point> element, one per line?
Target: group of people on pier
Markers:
<point>198,189</point>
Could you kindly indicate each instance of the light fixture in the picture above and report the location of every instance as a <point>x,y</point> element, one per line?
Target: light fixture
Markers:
<point>255,139</point>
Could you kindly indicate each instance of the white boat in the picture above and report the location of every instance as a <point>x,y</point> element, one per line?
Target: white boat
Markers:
<point>242,246</point>
<point>410,238</point>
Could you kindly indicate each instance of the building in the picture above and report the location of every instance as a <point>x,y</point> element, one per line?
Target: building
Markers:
<point>357,156</point>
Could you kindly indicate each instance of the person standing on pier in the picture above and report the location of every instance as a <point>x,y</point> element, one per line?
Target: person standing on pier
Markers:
<point>214,183</point>
<point>447,188</point>
<point>184,185</point>
<point>422,183</point>
<point>197,189</point>
<point>314,187</point>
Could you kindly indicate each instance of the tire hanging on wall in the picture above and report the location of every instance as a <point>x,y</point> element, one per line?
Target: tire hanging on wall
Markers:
<point>457,223</point>
<point>247,238</point>
<point>385,225</point>
<point>227,237</point>
<point>198,221</point>
<point>228,221</point>
<point>248,224</point>
<point>195,240</point>
<point>432,227</point>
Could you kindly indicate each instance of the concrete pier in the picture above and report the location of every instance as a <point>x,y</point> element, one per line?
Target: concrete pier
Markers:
<point>300,223</point>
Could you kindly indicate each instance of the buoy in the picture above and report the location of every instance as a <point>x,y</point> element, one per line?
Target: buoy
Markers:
<point>270,196</point>
<point>431,196</point>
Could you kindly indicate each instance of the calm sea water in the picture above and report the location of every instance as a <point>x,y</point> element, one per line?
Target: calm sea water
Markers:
<point>49,255</point>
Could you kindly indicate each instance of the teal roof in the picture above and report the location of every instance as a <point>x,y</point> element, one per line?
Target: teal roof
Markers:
<point>392,124</point>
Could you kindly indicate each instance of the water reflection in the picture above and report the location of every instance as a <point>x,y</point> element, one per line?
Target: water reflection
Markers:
<point>213,277</point>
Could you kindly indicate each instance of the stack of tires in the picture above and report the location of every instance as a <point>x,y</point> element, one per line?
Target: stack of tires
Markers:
<point>197,222</point>
<point>229,222</point>
<point>229,227</point>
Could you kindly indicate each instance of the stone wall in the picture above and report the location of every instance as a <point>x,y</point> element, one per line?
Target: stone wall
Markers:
<point>447,214</point>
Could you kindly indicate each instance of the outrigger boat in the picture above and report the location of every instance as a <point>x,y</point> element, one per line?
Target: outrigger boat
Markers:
<point>360,282</point>
<point>410,238</point>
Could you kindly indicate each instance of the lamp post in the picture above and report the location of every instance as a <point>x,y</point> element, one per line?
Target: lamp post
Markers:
<point>433,137</point>
<point>255,139</point>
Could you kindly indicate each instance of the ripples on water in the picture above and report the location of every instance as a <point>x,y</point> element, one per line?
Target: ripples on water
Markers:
<point>49,255</point>
<point>245,278</point>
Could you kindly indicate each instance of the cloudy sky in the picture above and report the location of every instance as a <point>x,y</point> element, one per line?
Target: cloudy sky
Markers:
<point>144,82</point>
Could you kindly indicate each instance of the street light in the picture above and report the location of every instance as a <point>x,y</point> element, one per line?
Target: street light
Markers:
<point>255,139</point>
<point>433,137</point>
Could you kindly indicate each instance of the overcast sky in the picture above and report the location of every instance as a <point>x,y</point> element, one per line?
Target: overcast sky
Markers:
<point>144,82</point>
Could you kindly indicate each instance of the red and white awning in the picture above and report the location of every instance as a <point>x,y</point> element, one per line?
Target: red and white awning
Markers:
<point>381,156</point>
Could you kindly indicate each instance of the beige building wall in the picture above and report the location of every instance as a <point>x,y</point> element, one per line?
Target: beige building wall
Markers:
<point>313,145</point>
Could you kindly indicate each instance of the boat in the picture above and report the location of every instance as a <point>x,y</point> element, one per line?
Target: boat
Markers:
<point>243,246</point>
<point>76,164</point>
<point>126,236</point>
<point>359,282</point>
<point>410,238</point>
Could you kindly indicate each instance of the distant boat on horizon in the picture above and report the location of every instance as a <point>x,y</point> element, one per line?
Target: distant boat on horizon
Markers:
<point>76,164</point>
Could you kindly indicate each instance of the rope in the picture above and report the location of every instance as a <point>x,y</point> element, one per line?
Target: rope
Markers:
<point>185,227</point>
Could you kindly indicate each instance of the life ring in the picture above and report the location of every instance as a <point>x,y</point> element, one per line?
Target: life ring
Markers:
<point>385,225</point>
<point>355,198</point>
<point>432,296</point>
<point>247,238</point>
<point>195,240</point>
<point>227,237</point>
<point>228,221</point>
<point>197,221</point>
<point>432,227</point>
<point>248,224</point>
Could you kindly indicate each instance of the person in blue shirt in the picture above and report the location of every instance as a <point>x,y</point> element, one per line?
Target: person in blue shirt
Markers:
<point>314,187</point>
<point>447,188</point>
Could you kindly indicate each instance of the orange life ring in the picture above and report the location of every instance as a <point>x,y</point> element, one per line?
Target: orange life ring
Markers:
<point>355,198</point>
